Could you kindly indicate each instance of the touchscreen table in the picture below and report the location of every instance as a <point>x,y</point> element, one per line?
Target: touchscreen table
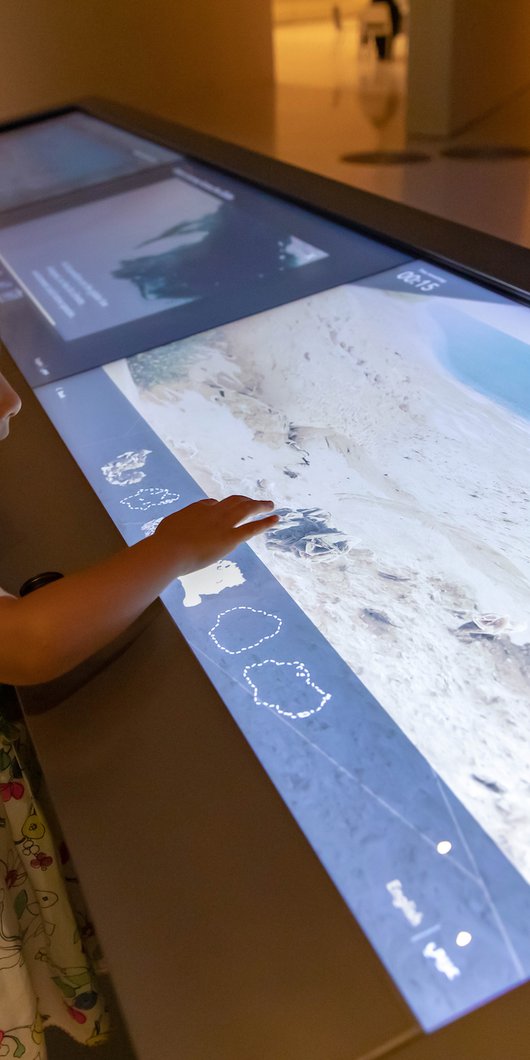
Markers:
<point>374,647</point>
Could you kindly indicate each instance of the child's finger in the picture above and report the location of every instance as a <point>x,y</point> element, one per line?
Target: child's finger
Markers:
<point>234,500</point>
<point>256,526</point>
<point>237,501</point>
<point>247,508</point>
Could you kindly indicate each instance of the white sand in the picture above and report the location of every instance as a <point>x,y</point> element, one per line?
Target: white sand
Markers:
<point>431,484</point>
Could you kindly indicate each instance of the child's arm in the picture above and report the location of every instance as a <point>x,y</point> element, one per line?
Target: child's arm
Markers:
<point>48,632</point>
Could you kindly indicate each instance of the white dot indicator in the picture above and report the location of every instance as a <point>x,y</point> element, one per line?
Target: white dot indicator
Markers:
<point>463,938</point>
<point>444,846</point>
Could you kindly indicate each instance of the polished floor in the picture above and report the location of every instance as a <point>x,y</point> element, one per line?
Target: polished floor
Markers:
<point>332,98</point>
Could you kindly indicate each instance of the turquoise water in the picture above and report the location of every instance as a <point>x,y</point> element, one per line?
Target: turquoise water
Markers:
<point>491,362</point>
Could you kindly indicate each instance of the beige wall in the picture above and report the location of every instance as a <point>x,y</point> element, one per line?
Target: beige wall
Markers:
<point>466,57</point>
<point>192,60</point>
<point>429,81</point>
<point>491,59</point>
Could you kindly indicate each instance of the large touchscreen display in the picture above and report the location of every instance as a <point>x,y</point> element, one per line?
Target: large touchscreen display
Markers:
<point>374,648</point>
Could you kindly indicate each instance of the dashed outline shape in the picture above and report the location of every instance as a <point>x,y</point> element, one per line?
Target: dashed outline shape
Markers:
<point>255,611</point>
<point>169,498</point>
<point>302,672</point>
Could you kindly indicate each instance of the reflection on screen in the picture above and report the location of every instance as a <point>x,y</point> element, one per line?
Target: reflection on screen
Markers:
<point>68,152</point>
<point>187,248</point>
<point>375,646</point>
<point>138,252</point>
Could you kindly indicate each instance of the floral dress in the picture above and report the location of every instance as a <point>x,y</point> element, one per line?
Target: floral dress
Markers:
<point>46,973</point>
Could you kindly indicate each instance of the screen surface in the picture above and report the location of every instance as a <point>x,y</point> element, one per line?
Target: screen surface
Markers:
<point>186,248</point>
<point>374,648</point>
<point>68,152</point>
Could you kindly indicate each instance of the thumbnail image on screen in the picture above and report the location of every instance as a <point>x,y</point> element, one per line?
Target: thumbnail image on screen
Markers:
<point>374,647</point>
<point>46,158</point>
<point>133,254</point>
<point>185,250</point>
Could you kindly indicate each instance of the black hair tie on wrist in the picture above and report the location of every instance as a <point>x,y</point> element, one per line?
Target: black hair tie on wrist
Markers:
<point>38,580</point>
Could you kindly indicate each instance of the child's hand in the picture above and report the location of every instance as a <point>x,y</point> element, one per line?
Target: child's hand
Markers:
<point>49,632</point>
<point>207,530</point>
